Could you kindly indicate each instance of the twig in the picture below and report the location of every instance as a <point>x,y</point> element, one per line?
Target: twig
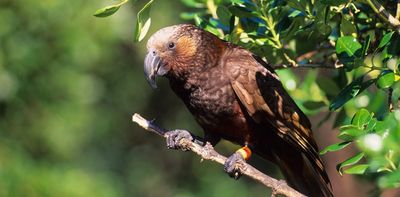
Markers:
<point>398,10</point>
<point>326,66</point>
<point>384,14</point>
<point>207,152</point>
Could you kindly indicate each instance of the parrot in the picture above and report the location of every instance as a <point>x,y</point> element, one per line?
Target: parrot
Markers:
<point>235,95</point>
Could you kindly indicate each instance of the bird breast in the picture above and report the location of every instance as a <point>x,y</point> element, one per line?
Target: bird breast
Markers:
<point>211,95</point>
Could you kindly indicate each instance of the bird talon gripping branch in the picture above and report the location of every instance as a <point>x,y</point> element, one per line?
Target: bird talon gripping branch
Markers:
<point>234,165</point>
<point>174,137</point>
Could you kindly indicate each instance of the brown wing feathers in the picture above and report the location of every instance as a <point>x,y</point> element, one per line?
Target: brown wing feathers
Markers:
<point>264,98</point>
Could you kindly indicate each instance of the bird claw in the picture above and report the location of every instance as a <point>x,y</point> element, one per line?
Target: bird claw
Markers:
<point>174,137</point>
<point>234,165</point>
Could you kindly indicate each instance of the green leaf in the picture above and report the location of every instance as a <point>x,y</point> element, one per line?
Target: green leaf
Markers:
<point>385,79</point>
<point>143,22</point>
<point>391,180</point>
<point>313,105</point>
<point>361,118</point>
<point>347,28</point>
<point>224,15</point>
<point>203,23</point>
<point>334,147</point>
<point>109,10</point>
<point>349,52</point>
<point>334,2</point>
<point>294,14</point>
<point>357,169</point>
<point>325,29</point>
<point>106,11</point>
<point>385,40</point>
<point>241,12</point>
<point>349,92</point>
<point>348,162</point>
<point>349,132</point>
<point>298,4</point>
<point>192,3</point>
<point>366,45</point>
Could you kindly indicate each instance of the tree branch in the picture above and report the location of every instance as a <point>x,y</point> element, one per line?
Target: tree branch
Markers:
<point>316,65</point>
<point>207,152</point>
<point>384,14</point>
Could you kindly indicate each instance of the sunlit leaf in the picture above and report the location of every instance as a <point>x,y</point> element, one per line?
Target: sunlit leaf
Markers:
<point>350,161</point>
<point>193,3</point>
<point>109,10</point>
<point>362,117</point>
<point>349,52</point>
<point>334,147</point>
<point>143,22</point>
<point>357,169</point>
<point>385,40</point>
<point>349,132</point>
<point>385,79</point>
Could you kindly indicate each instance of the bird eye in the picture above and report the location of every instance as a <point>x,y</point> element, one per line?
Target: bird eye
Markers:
<point>171,45</point>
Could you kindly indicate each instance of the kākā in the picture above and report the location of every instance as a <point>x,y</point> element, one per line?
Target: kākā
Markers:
<point>235,95</point>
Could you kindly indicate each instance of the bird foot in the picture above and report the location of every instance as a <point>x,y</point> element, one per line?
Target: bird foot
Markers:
<point>235,165</point>
<point>174,138</point>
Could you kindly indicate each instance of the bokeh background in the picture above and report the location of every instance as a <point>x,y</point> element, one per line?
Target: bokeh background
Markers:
<point>69,83</point>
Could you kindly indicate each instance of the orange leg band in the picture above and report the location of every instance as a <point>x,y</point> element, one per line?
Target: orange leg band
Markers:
<point>245,152</point>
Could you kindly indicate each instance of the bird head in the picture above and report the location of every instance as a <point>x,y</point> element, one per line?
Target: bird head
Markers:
<point>169,50</point>
<point>179,51</point>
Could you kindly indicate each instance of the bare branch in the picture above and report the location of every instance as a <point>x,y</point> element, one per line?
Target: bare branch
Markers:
<point>384,14</point>
<point>398,10</point>
<point>325,66</point>
<point>207,152</point>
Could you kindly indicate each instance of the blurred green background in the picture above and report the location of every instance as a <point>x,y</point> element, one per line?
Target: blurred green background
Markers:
<point>69,83</point>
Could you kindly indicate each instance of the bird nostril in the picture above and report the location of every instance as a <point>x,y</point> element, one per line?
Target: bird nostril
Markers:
<point>154,53</point>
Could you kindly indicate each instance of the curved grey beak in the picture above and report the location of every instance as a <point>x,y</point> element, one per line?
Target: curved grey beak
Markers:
<point>152,63</point>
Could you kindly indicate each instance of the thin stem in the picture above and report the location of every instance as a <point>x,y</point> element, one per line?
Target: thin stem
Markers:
<point>271,27</point>
<point>122,2</point>
<point>283,66</point>
<point>384,14</point>
<point>212,8</point>
<point>398,10</point>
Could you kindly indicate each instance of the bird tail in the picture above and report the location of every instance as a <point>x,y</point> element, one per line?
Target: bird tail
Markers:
<point>303,175</point>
